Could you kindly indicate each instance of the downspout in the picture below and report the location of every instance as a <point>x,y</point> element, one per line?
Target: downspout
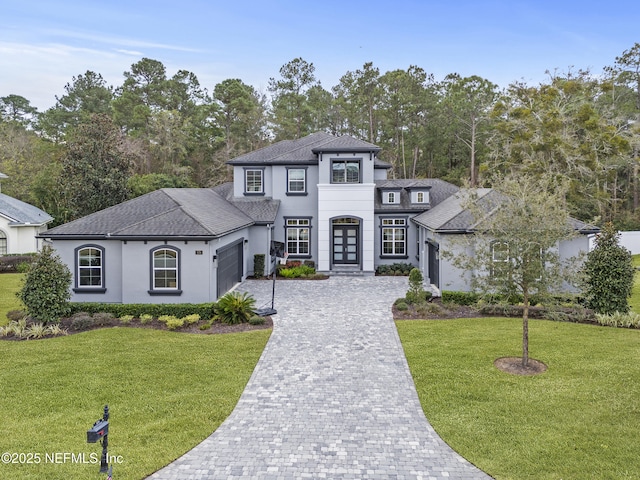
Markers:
<point>267,255</point>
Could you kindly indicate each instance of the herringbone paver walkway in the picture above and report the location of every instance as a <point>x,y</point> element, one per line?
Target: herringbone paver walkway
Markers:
<point>331,396</point>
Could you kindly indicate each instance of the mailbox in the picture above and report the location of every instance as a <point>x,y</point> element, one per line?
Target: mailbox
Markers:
<point>100,429</point>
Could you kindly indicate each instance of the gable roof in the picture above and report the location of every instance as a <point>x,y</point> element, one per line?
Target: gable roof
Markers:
<point>439,190</point>
<point>166,213</point>
<point>451,215</point>
<point>20,213</point>
<point>304,151</point>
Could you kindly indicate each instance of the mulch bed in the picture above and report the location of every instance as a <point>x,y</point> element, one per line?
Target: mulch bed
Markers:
<point>514,366</point>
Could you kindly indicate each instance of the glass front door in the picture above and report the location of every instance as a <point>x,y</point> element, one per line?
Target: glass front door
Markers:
<point>345,244</point>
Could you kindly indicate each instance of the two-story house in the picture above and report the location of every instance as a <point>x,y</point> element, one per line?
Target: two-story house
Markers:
<point>326,198</point>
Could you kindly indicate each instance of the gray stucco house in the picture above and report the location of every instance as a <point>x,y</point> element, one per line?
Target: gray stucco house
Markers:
<point>326,198</point>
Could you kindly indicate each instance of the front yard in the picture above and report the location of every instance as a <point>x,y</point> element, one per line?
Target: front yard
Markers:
<point>166,392</point>
<point>578,420</point>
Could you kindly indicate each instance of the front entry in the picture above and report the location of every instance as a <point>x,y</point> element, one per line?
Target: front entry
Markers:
<point>346,241</point>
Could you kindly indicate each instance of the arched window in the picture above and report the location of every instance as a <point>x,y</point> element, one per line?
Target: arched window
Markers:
<point>89,275</point>
<point>3,243</point>
<point>165,276</point>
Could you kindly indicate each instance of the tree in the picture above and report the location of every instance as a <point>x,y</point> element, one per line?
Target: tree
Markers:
<point>609,274</point>
<point>144,91</point>
<point>514,247</point>
<point>240,115</point>
<point>559,128</point>
<point>469,101</point>
<point>95,169</point>
<point>291,110</point>
<point>88,94</point>
<point>45,292</point>
<point>358,97</point>
<point>627,71</point>
<point>14,108</point>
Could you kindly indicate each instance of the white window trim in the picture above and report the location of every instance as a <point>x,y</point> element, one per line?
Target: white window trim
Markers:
<point>392,226</point>
<point>260,171</point>
<point>304,181</point>
<point>156,290</point>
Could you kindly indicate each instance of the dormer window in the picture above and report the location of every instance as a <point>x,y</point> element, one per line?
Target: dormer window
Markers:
<point>420,197</point>
<point>392,197</point>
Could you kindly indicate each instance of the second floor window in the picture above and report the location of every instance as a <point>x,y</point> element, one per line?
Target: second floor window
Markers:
<point>296,182</point>
<point>254,182</point>
<point>345,171</point>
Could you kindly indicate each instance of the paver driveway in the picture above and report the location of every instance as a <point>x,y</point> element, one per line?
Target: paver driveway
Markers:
<point>331,396</point>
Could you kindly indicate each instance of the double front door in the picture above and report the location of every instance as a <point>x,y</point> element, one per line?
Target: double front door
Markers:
<point>345,244</point>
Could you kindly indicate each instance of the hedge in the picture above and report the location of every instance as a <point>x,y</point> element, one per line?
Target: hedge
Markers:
<point>179,310</point>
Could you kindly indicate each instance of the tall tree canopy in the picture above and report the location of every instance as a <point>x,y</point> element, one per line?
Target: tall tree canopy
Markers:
<point>95,168</point>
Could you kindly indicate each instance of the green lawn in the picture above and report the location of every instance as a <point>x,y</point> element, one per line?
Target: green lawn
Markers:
<point>634,301</point>
<point>166,391</point>
<point>10,283</point>
<point>579,420</point>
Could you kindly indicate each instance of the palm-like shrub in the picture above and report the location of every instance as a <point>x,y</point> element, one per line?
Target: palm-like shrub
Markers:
<point>235,307</point>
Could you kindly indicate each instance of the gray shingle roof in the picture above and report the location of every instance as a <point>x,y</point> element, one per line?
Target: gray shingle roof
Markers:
<point>439,190</point>
<point>169,212</point>
<point>452,216</point>
<point>261,210</point>
<point>21,213</point>
<point>305,150</point>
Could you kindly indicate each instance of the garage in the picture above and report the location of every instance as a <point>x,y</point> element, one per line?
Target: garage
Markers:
<point>230,266</point>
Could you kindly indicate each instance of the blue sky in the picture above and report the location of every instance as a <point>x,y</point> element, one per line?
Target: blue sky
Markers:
<point>44,43</point>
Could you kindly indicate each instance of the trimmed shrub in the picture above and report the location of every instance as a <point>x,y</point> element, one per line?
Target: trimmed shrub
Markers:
<point>258,265</point>
<point>126,319</point>
<point>402,306</point>
<point>45,292</point>
<point>82,321</point>
<point>460,298</point>
<point>190,319</point>
<point>178,310</point>
<point>235,307</point>
<point>394,269</point>
<point>174,323</point>
<point>16,263</point>
<point>609,274</point>
<point>146,318</point>
<point>256,320</point>
<point>102,319</point>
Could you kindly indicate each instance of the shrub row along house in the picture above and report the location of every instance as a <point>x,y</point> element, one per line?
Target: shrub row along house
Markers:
<point>327,198</point>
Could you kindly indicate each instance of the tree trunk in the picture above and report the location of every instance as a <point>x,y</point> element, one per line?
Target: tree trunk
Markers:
<point>474,125</point>
<point>525,330</point>
<point>635,185</point>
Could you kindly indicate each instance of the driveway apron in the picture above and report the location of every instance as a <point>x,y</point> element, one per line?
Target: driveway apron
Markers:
<point>331,396</point>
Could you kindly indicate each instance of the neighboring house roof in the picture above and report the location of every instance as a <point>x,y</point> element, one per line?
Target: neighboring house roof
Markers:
<point>20,213</point>
<point>166,213</point>
<point>263,211</point>
<point>438,189</point>
<point>451,215</point>
<point>304,151</point>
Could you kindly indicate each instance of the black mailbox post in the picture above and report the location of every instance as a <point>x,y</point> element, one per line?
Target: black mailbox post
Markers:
<point>100,431</point>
